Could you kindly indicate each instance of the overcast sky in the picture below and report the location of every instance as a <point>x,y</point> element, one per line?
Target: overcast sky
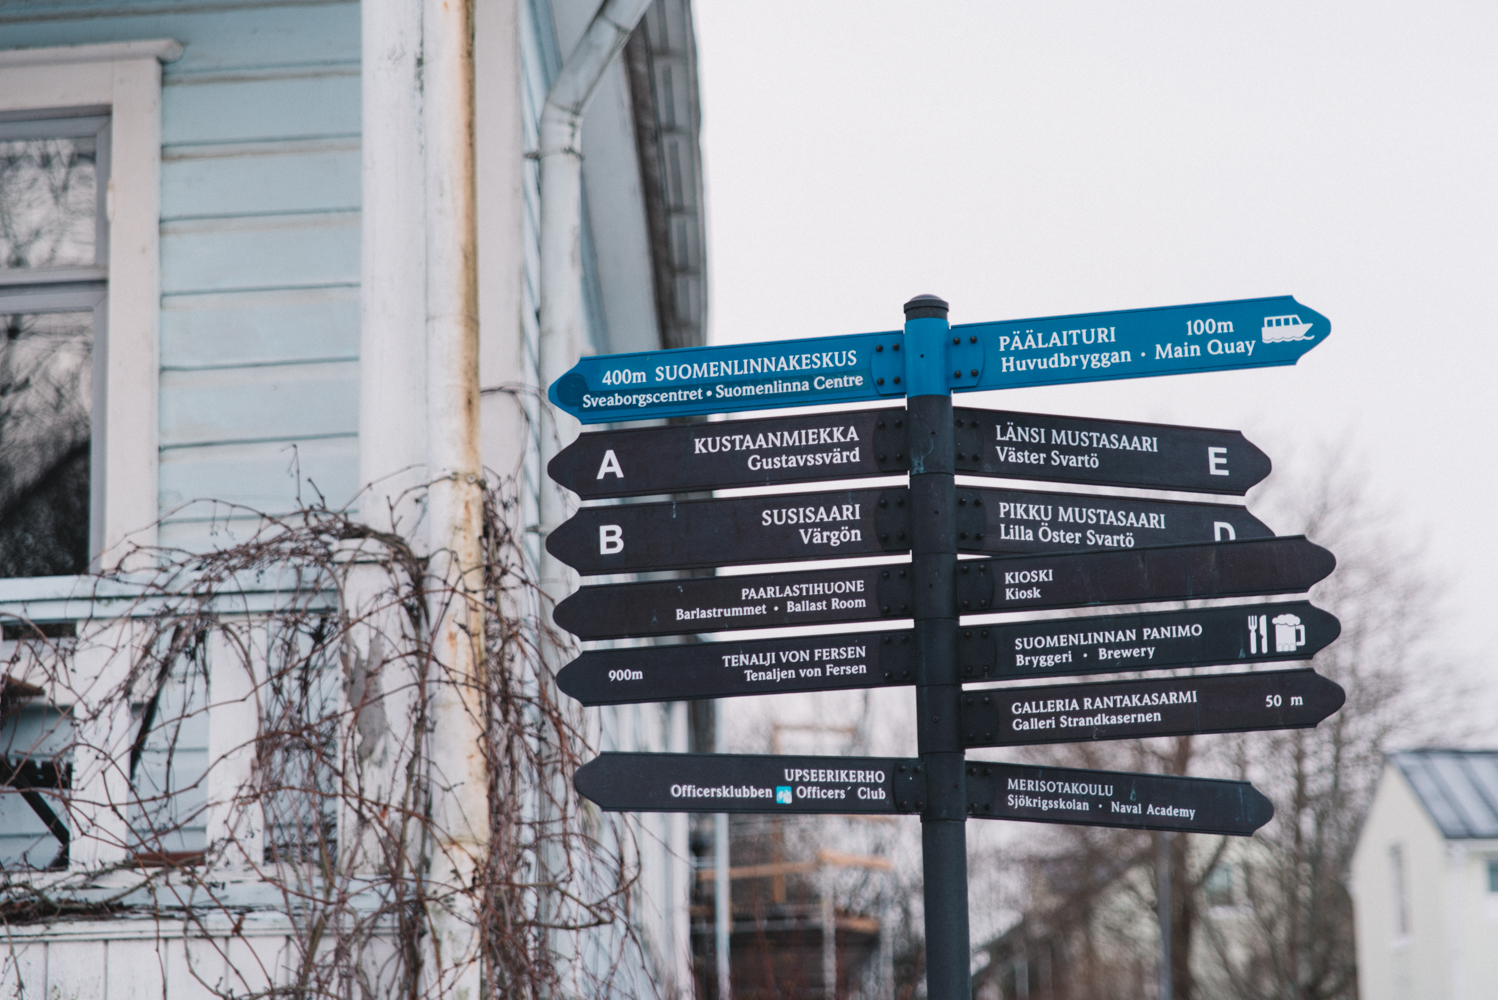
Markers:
<point>1026,160</point>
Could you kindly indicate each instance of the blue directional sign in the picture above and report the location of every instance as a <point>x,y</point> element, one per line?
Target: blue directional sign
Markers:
<point>1133,343</point>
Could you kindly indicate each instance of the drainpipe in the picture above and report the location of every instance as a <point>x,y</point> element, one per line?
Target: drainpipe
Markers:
<point>459,772</point>
<point>561,235</point>
<point>562,337</point>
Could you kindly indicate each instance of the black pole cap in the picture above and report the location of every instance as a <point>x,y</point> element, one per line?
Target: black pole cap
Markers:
<point>926,307</point>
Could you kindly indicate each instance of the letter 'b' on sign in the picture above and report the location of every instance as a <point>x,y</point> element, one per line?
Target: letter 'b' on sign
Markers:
<point>610,539</point>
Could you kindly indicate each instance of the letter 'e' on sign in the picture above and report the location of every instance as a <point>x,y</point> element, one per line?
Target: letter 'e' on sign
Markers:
<point>610,539</point>
<point>1217,462</point>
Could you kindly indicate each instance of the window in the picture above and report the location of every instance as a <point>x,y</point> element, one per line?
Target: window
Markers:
<point>1218,886</point>
<point>53,252</point>
<point>80,190</point>
<point>1401,892</point>
<point>80,292</point>
<point>35,762</point>
<point>1493,876</point>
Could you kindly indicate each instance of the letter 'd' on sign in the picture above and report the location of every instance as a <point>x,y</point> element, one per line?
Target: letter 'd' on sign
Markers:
<point>610,539</point>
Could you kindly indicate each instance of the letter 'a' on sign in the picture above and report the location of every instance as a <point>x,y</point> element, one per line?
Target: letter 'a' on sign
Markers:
<point>1114,798</point>
<point>610,466</point>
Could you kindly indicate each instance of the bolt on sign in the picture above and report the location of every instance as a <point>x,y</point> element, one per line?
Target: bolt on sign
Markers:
<point>955,564</point>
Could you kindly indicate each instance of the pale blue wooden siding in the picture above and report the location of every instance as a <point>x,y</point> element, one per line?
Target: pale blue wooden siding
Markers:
<point>259,246</point>
<point>260,267</point>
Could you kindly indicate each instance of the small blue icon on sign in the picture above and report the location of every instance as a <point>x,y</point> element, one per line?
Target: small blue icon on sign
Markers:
<point>783,794</point>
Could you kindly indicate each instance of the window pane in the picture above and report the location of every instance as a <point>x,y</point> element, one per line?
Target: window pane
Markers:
<point>46,369</point>
<point>1401,898</point>
<point>48,202</point>
<point>1219,886</point>
<point>34,740</point>
<point>1493,876</point>
<point>168,812</point>
<point>299,745</point>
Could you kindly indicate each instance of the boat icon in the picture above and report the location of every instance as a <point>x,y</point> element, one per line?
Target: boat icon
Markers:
<point>1281,328</point>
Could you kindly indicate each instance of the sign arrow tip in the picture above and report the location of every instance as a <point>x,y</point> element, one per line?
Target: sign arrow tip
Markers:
<point>1258,810</point>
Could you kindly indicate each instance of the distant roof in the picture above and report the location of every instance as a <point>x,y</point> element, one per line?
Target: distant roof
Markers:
<point>1459,788</point>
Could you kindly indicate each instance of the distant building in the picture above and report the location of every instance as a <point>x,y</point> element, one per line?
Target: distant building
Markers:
<point>1091,927</point>
<point>1425,879</point>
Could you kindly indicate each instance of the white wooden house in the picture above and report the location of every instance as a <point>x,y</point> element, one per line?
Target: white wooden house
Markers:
<point>1425,879</point>
<point>216,253</point>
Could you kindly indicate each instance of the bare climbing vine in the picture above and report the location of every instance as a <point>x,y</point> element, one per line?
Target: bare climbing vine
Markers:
<point>237,746</point>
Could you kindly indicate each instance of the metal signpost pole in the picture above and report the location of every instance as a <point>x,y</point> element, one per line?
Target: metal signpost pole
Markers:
<point>933,501</point>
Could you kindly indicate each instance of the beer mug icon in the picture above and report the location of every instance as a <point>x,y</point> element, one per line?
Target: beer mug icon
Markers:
<point>1289,633</point>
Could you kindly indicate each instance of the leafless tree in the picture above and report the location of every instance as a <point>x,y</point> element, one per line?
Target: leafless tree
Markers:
<point>1292,937</point>
<point>1269,918</point>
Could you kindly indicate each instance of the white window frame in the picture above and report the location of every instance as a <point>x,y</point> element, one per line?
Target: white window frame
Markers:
<point>126,78</point>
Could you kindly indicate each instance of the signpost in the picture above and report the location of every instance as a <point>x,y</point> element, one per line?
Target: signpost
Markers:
<point>1176,706</point>
<point>974,586</point>
<point>1258,633</point>
<point>1063,550</point>
<point>803,526</point>
<point>856,444</point>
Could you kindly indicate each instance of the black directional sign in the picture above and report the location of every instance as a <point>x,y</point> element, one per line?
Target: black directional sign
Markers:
<point>1114,798</point>
<point>1175,572</point>
<point>868,593</point>
<point>782,451</point>
<point>1176,706</point>
<point>667,607</point>
<point>771,452</point>
<point>1022,521</point>
<point>728,669</point>
<point>1060,647</point>
<point>759,529</point>
<point>1106,452</point>
<point>639,537</point>
<point>1254,633</point>
<point>714,783</point>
